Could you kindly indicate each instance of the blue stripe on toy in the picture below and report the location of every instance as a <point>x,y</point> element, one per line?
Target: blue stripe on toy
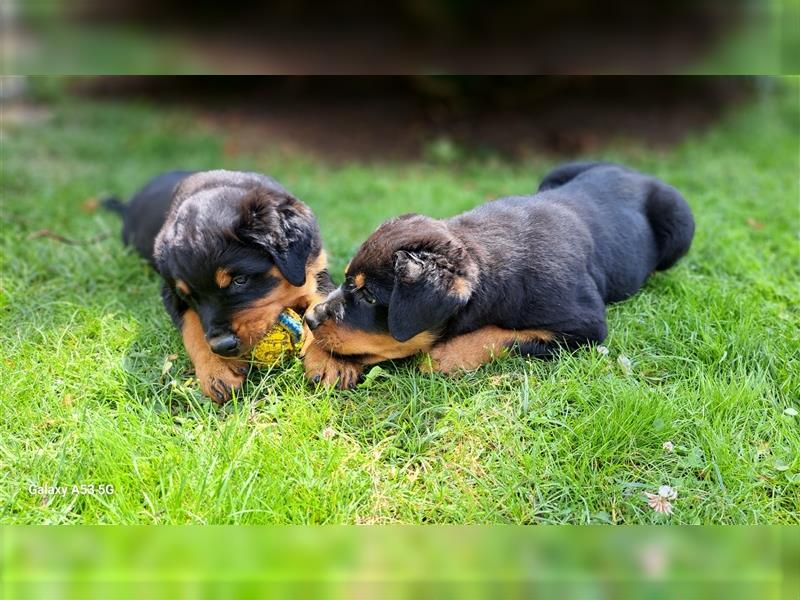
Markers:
<point>295,329</point>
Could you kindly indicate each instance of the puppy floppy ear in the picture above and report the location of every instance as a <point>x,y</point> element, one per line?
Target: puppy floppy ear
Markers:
<point>283,227</point>
<point>429,287</point>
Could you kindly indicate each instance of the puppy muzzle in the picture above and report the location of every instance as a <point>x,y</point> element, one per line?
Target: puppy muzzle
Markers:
<point>330,308</point>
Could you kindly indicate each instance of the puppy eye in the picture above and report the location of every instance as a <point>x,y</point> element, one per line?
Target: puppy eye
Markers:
<point>239,280</point>
<point>368,296</point>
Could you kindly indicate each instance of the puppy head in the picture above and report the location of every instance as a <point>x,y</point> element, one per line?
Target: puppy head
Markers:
<point>403,285</point>
<point>238,248</point>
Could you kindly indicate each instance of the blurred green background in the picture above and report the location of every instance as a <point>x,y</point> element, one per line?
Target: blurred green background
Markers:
<point>400,562</point>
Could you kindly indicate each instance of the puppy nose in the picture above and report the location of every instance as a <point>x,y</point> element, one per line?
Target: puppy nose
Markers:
<point>224,345</point>
<point>311,320</point>
<point>316,316</point>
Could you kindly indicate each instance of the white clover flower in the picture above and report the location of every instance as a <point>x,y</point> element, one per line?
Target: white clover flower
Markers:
<point>667,492</point>
<point>668,446</point>
<point>602,350</point>
<point>660,502</point>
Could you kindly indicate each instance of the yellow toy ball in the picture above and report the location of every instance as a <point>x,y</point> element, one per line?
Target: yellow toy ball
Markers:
<point>285,338</point>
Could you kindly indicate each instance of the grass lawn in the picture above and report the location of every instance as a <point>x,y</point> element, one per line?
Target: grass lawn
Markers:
<point>88,397</point>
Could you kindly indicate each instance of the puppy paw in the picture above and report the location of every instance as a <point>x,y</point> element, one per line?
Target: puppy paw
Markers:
<point>219,377</point>
<point>323,369</point>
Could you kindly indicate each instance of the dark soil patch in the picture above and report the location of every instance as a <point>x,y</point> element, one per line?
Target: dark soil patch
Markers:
<point>400,118</point>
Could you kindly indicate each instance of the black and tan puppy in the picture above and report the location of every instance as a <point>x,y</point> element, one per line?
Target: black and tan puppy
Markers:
<point>530,272</point>
<point>234,250</point>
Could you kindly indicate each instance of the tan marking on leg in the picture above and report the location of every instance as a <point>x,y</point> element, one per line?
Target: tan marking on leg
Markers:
<point>181,286</point>
<point>218,376</point>
<point>222,277</point>
<point>323,368</point>
<point>472,350</point>
<point>346,341</point>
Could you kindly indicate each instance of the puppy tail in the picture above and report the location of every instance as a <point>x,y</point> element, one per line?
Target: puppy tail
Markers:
<point>566,173</point>
<point>114,205</point>
<point>672,223</point>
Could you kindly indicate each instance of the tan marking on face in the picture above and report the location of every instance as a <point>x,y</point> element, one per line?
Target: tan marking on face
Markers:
<point>222,277</point>
<point>472,350</point>
<point>375,346</point>
<point>359,280</point>
<point>314,296</point>
<point>180,284</point>
<point>252,322</point>
<point>217,375</point>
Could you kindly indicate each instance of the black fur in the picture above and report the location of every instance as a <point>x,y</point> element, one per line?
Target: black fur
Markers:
<point>278,228</point>
<point>145,213</point>
<point>591,235</point>
<point>407,316</point>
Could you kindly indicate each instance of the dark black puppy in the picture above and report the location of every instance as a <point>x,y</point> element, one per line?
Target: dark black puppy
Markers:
<point>234,250</point>
<point>532,272</point>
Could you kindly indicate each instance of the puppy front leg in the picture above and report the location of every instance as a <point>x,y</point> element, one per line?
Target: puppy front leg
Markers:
<point>320,366</point>
<point>218,376</point>
<point>469,351</point>
<point>323,368</point>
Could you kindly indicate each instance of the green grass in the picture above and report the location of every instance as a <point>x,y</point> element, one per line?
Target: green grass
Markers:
<point>713,343</point>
